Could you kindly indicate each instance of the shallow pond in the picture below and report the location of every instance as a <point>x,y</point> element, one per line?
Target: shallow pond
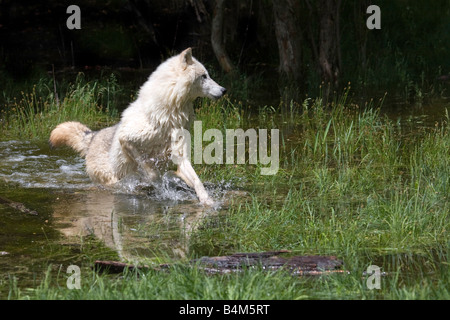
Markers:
<point>51,214</point>
<point>78,220</point>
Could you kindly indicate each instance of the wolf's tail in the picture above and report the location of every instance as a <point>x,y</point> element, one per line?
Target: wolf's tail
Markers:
<point>73,134</point>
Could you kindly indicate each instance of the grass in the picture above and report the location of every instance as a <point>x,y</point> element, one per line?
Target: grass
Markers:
<point>408,280</point>
<point>180,283</point>
<point>35,113</point>
<point>349,180</point>
<point>351,183</point>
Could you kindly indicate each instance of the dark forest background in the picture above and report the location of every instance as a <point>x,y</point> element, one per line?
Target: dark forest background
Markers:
<point>297,44</point>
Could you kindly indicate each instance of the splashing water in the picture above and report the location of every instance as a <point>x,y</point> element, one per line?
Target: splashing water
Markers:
<point>33,165</point>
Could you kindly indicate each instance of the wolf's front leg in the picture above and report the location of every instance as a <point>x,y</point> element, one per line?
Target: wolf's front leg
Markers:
<point>187,173</point>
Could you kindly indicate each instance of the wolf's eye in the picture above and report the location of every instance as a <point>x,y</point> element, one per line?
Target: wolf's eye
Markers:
<point>204,76</point>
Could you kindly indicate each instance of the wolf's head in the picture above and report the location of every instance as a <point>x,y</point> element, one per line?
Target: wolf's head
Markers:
<point>201,83</point>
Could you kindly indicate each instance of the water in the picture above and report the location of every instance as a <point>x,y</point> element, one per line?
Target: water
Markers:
<point>31,165</point>
<point>79,221</point>
<point>130,222</point>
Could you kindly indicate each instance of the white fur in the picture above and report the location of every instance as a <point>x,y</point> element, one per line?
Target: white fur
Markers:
<point>143,136</point>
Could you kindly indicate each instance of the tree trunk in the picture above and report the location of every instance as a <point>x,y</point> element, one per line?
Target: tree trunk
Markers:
<point>329,42</point>
<point>361,31</point>
<point>217,40</point>
<point>144,23</point>
<point>288,35</point>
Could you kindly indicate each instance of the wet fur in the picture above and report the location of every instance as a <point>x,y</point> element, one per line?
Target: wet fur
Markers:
<point>144,133</point>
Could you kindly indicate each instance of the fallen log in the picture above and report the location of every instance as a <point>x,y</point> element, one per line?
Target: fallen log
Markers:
<point>116,266</point>
<point>271,261</point>
<point>238,262</point>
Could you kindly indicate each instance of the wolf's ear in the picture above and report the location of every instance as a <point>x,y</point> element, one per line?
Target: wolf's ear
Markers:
<point>186,57</point>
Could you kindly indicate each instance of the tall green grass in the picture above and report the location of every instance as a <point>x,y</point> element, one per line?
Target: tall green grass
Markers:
<point>404,277</point>
<point>350,183</point>
<point>180,282</point>
<point>349,180</point>
<point>36,112</point>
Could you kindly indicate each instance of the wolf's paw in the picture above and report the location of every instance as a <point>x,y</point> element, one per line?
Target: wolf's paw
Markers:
<point>207,201</point>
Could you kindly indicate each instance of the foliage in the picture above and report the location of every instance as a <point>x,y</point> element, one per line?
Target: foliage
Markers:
<point>407,55</point>
<point>352,183</point>
<point>35,113</point>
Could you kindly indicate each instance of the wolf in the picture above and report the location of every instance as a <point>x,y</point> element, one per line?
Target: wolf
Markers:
<point>149,128</point>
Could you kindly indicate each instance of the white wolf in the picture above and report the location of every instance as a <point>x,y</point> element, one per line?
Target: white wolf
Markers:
<point>144,134</point>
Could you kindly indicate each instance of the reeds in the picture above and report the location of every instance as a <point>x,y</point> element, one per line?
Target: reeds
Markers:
<point>35,113</point>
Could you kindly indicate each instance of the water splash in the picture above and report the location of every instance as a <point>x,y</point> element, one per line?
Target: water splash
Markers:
<point>34,165</point>
<point>31,165</point>
<point>170,188</point>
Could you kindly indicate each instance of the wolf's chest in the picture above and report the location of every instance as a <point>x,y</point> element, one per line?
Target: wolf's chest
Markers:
<point>158,139</point>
